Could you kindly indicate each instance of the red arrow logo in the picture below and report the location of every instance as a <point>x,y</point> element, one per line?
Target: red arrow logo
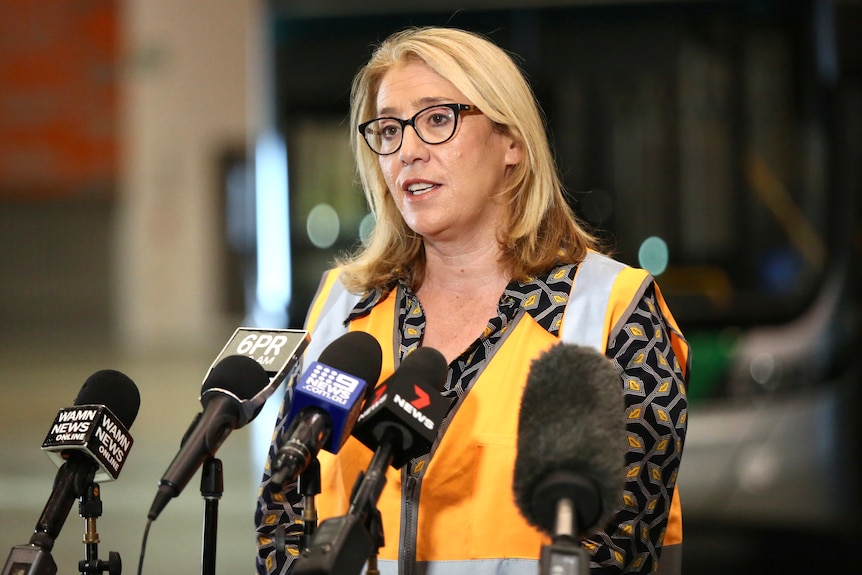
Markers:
<point>381,389</point>
<point>422,398</point>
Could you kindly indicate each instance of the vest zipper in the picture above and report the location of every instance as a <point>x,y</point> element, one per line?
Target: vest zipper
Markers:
<point>411,486</point>
<point>411,482</point>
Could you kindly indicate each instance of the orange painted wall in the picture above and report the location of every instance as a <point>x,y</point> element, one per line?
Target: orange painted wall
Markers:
<point>59,66</point>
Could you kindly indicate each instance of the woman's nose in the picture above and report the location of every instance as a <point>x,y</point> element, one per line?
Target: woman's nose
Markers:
<point>412,146</point>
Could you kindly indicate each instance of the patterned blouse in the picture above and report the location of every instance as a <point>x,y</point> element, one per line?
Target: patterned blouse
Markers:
<point>655,402</point>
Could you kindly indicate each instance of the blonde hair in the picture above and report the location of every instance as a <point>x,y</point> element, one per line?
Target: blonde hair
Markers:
<point>542,230</point>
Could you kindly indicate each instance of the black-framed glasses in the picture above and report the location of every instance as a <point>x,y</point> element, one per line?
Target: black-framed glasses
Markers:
<point>434,125</point>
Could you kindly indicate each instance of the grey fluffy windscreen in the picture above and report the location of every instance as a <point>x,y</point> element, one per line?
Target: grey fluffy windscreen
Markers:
<point>571,421</point>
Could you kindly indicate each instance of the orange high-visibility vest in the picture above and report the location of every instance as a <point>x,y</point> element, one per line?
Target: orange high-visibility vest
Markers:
<point>467,520</point>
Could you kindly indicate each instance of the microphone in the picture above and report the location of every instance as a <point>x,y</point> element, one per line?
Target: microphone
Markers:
<point>230,395</point>
<point>407,408</point>
<point>399,425</point>
<point>97,425</point>
<point>89,441</point>
<point>105,408</point>
<point>276,350</point>
<point>569,469</point>
<point>326,403</point>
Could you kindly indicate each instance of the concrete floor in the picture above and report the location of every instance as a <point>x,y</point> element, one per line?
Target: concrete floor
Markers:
<point>37,379</point>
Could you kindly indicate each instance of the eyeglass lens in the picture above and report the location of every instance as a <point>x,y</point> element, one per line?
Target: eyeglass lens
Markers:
<point>433,125</point>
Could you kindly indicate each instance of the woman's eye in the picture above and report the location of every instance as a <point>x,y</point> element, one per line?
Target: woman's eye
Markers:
<point>438,119</point>
<point>389,132</point>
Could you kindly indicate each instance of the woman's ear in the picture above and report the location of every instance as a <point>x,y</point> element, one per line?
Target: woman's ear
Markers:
<point>514,153</point>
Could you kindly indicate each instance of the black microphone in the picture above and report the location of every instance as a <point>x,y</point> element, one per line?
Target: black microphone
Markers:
<point>276,350</point>
<point>569,469</point>
<point>95,428</point>
<point>232,383</point>
<point>89,442</point>
<point>326,403</point>
<point>407,408</point>
<point>105,408</point>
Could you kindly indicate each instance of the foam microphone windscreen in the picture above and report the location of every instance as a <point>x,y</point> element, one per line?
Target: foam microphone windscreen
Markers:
<point>571,439</point>
<point>115,390</point>
<point>357,353</point>
<point>407,407</point>
<point>237,375</point>
<point>241,379</point>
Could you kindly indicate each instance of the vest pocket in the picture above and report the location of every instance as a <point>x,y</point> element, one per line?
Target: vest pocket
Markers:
<point>499,529</point>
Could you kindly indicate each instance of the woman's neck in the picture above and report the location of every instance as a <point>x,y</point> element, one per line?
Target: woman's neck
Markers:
<point>464,270</point>
<point>459,295</point>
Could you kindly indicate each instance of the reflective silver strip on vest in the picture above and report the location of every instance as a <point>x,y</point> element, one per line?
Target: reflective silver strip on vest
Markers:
<point>472,567</point>
<point>669,564</point>
<point>330,325</point>
<point>584,317</point>
<point>670,560</point>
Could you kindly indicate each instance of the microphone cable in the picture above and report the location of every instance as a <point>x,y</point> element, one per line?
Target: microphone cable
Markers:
<point>144,546</point>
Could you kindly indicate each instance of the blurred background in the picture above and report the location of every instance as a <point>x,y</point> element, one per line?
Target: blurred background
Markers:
<point>172,170</point>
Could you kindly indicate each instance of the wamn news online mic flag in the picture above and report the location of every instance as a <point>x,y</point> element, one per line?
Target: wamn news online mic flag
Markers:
<point>94,430</point>
<point>89,442</point>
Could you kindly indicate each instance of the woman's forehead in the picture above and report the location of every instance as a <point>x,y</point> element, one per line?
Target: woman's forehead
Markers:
<point>413,86</point>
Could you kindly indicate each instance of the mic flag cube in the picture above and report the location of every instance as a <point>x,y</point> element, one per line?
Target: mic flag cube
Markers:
<point>414,410</point>
<point>334,391</point>
<point>276,350</point>
<point>94,430</point>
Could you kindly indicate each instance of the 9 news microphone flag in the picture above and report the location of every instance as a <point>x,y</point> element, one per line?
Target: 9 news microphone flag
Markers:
<point>325,403</point>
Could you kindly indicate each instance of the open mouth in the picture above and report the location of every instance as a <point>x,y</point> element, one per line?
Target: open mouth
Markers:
<point>420,188</point>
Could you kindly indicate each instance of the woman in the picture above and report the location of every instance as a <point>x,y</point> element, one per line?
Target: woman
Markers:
<point>476,253</point>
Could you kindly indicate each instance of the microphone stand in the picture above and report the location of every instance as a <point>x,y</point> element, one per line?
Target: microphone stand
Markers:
<point>90,507</point>
<point>564,556</point>
<point>343,544</point>
<point>212,488</point>
<point>308,485</point>
<point>74,479</point>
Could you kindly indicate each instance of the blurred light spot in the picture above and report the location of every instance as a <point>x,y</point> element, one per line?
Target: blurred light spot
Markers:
<point>762,368</point>
<point>322,226</point>
<point>366,226</point>
<point>653,255</point>
<point>758,469</point>
<point>780,270</point>
<point>273,232</point>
